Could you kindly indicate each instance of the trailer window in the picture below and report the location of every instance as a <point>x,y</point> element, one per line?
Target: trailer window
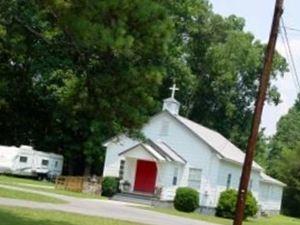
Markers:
<point>23,159</point>
<point>45,162</point>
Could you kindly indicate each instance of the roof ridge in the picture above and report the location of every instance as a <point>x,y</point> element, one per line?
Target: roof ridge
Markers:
<point>157,148</point>
<point>207,128</point>
<point>216,141</point>
<point>175,152</point>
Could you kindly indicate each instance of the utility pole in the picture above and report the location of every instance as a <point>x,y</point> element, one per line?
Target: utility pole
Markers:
<point>259,104</point>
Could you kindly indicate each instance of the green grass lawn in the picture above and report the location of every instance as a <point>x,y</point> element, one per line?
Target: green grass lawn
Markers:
<point>23,216</point>
<point>9,193</point>
<point>43,186</point>
<point>26,181</point>
<point>276,220</point>
<point>72,194</point>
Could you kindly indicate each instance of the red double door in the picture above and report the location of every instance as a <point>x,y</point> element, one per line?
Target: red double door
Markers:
<point>145,176</point>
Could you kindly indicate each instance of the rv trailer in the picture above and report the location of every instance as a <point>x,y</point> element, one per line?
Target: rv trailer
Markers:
<point>25,161</point>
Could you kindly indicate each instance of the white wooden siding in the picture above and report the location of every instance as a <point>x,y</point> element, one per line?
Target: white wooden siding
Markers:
<point>197,153</point>
<point>235,171</point>
<point>270,196</point>
<point>112,159</point>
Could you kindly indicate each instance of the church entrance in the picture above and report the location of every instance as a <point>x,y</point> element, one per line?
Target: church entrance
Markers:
<point>145,176</point>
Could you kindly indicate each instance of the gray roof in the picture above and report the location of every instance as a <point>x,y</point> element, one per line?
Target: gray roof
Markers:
<point>267,179</point>
<point>159,150</point>
<point>167,151</point>
<point>219,143</point>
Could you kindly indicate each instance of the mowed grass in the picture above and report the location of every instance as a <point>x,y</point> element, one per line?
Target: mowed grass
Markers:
<point>276,220</point>
<point>15,194</point>
<point>23,216</point>
<point>25,181</point>
<point>44,186</point>
<point>70,193</point>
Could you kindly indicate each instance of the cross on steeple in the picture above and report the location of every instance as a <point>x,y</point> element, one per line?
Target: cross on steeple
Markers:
<point>173,89</point>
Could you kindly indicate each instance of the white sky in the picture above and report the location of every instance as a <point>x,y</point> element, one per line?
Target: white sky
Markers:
<point>258,15</point>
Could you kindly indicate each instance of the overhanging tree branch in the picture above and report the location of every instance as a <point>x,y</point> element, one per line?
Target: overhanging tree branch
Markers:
<point>31,30</point>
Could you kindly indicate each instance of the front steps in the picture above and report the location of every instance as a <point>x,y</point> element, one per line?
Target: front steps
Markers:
<point>137,198</point>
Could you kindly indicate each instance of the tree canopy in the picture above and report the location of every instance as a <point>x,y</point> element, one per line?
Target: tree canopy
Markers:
<point>222,66</point>
<point>74,73</point>
<point>284,158</point>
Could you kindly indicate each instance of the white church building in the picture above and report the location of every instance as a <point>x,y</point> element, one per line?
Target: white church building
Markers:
<point>178,153</point>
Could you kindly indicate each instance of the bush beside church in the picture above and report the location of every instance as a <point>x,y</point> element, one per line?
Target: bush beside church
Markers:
<point>227,203</point>
<point>186,199</point>
<point>110,186</point>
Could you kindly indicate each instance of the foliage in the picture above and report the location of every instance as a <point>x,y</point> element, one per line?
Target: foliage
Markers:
<point>186,199</point>
<point>290,203</point>
<point>284,158</point>
<point>262,149</point>
<point>224,63</point>
<point>287,169</point>
<point>251,208</point>
<point>110,186</point>
<point>227,203</point>
<point>75,73</point>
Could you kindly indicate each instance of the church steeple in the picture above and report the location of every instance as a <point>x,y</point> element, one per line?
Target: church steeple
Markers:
<point>171,104</point>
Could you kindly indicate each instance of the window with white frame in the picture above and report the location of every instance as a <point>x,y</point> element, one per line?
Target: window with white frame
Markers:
<point>194,180</point>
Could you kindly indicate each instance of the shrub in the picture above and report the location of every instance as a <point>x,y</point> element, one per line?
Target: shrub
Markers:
<point>110,186</point>
<point>251,208</point>
<point>186,199</point>
<point>227,203</point>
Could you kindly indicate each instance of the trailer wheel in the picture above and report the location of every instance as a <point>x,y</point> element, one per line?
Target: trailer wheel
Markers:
<point>41,177</point>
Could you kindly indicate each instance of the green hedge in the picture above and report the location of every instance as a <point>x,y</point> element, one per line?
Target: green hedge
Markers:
<point>227,203</point>
<point>186,199</point>
<point>110,186</point>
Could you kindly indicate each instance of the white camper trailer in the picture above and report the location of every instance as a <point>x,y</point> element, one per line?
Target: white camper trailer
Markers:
<point>26,161</point>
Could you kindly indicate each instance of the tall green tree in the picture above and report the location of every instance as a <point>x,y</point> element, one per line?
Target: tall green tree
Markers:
<point>228,80</point>
<point>288,170</point>
<point>83,71</point>
<point>224,65</point>
<point>284,158</point>
<point>73,73</point>
<point>287,135</point>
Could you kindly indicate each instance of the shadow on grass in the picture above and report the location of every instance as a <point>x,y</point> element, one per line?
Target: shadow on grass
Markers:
<point>9,218</point>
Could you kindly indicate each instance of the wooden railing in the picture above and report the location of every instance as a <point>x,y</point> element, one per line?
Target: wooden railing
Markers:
<point>69,183</point>
<point>90,185</point>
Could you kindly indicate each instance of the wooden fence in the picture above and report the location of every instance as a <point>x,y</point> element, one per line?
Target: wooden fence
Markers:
<point>90,185</point>
<point>69,183</point>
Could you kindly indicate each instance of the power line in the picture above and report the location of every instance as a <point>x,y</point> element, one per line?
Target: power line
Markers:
<point>292,28</point>
<point>293,65</point>
<point>295,81</point>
